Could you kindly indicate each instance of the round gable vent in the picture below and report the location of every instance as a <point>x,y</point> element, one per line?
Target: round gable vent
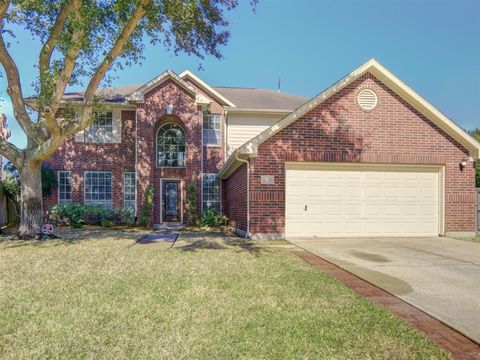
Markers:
<point>367,99</point>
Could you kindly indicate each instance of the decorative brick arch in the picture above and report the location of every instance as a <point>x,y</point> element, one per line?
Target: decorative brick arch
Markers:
<point>165,119</point>
<point>176,123</point>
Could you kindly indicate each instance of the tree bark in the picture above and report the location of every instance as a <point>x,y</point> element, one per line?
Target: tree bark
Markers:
<point>31,211</point>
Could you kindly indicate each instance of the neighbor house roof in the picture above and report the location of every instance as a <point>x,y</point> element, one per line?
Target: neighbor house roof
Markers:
<point>372,66</point>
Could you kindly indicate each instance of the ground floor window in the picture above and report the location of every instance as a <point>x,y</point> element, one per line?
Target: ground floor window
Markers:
<point>129,193</point>
<point>211,191</point>
<point>98,188</point>
<point>64,187</point>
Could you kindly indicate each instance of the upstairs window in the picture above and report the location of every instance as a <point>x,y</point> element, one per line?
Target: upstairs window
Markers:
<point>211,191</point>
<point>212,129</point>
<point>64,187</point>
<point>101,130</point>
<point>171,146</point>
<point>98,188</point>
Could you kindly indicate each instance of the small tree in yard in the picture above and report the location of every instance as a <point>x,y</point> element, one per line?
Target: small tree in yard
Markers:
<point>192,207</point>
<point>146,212</point>
<point>81,40</point>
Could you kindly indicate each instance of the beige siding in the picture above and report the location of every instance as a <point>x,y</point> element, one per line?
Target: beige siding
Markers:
<point>243,127</point>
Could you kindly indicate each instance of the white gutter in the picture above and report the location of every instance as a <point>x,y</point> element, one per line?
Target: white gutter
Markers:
<point>136,164</point>
<point>225,134</point>
<point>247,234</point>
<point>258,111</point>
<point>201,164</point>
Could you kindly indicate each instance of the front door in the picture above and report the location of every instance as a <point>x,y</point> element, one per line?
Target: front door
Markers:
<point>170,201</point>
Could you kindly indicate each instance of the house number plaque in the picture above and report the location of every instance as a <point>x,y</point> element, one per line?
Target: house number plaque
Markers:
<point>267,180</point>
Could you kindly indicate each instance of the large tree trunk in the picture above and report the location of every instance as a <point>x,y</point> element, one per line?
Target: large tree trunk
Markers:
<point>31,212</point>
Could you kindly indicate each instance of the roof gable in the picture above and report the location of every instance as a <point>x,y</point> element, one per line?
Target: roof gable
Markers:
<point>392,82</point>
<point>187,74</point>
<point>139,94</point>
<point>387,78</point>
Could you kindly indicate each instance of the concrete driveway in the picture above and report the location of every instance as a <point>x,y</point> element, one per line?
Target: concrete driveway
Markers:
<point>437,275</point>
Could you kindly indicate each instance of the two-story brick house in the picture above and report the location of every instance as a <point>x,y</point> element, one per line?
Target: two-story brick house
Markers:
<point>366,157</point>
<point>167,133</point>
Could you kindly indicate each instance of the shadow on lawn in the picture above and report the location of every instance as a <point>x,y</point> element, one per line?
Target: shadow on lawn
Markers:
<point>192,241</point>
<point>67,236</point>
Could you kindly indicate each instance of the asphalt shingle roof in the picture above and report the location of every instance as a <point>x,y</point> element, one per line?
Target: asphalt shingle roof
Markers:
<point>247,98</point>
<point>250,98</point>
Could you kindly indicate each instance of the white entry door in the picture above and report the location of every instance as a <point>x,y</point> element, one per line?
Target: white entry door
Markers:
<point>361,200</point>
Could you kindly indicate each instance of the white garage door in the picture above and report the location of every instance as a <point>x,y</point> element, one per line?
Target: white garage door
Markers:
<point>343,201</point>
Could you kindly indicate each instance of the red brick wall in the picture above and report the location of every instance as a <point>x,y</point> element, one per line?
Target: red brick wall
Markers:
<point>235,198</point>
<point>340,131</point>
<point>213,155</point>
<point>150,116</point>
<point>79,157</point>
<point>118,158</point>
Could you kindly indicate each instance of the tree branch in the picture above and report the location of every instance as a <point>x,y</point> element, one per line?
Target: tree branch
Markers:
<point>47,148</point>
<point>14,89</point>
<point>4,4</point>
<point>12,153</point>
<point>66,73</point>
<point>115,51</point>
<point>55,32</point>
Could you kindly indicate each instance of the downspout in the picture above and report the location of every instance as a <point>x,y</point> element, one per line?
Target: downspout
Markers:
<point>201,162</point>
<point>247,234</point>
<point>136,156</point>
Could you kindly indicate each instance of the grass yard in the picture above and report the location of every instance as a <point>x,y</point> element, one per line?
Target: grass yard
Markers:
<point>210,297</point>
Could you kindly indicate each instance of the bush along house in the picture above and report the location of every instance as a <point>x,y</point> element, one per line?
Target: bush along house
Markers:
<point>366,157</point>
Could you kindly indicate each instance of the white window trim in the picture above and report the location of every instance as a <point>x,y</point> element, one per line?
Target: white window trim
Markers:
<point>85,187</point>
<point>58,186</point>
<point>135,189</point>
<point>184,153</point>
<point>95,129</point>
<point>220,191</point>
<point>219,144</point>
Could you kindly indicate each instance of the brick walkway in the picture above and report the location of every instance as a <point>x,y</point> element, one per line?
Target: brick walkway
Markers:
<point>450,340</point>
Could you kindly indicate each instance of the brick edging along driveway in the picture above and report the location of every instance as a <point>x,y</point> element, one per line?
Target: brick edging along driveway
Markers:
<point>447,338</point>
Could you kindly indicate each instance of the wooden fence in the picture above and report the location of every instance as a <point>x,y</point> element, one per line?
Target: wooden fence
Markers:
<point>8,210</point>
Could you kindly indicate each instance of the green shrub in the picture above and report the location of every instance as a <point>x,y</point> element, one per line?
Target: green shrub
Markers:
<point>76,226</point>
<point>94,214</point>
<point>211,217</point>
<point>192,204</point>
<point>75,214</point>
<point>121,216</point>
<point>146,213</point>
<point>65,214</point>
<point>11,187</point>
<point>106,223</point>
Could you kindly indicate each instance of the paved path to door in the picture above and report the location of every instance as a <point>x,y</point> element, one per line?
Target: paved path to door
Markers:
<point>165,233</point>
<point>437,275</point>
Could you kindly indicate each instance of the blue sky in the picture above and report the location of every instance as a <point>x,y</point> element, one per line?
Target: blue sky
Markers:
<point>432,45</point>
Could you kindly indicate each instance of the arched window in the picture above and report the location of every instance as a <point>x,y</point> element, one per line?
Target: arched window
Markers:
<point>171,146</point>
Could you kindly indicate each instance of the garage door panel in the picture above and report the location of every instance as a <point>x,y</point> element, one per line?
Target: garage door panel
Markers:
<point>362,202</point>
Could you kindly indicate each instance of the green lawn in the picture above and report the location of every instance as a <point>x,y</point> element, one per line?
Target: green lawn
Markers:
<point>106,297</point>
